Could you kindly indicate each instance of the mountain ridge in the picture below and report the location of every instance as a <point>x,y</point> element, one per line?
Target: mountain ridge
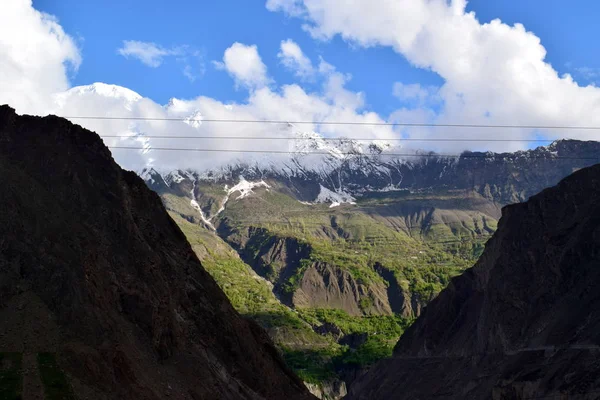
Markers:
<point>371,251</point>
<point>89,255</point>
<point>519,324</point>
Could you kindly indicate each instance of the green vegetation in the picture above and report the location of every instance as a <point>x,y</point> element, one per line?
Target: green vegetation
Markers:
<point>56,386</point>
<point>315,365</point>
<point>391,326</point>
<point>11,376</point>
<point>420,254</point>
<point>355,241</point>
<point>248,292</point>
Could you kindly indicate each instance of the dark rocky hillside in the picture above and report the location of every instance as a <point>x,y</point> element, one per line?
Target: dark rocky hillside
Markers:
<point>101,296</point>
<point>523,323</point>
<point>352,246</point>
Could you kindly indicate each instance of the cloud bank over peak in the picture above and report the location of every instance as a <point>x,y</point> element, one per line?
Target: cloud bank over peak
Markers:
<point>332,101</point>
<point>494,73</point>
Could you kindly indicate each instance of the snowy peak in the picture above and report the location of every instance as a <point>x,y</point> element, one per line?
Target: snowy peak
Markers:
<point>153,178</point>
<point>105,90</point>
<point>340,148</point>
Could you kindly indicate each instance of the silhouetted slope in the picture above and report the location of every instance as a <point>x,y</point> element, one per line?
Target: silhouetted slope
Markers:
<point>94,270</point>
<point>523,322</point>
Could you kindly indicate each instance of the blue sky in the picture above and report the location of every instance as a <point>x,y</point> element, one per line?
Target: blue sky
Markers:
<point>366,62</point>
<point>569,33</point>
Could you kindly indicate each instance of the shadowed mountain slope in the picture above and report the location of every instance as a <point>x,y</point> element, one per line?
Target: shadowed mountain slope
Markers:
<point>523,323</point>
<point>95,273</point>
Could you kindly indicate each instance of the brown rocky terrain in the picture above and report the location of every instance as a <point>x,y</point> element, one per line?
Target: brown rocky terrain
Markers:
<point>94,271</point>
<point>326,286</point>
<point>523,323</point>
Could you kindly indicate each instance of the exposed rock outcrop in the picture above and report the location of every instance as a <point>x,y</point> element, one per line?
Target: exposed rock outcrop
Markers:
<point>327,286</point>
<point>523,322</point>
<point>328,390</point>
<point>115,290</point>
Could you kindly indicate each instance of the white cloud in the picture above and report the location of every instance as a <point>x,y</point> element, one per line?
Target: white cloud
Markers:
<point>49,86</point>
<point>148,53</point>
<point>513,86</point>
<point>494,73</point>
<point>35,57</point>
<point>422,95</point>
<point>288,103</point>
<point>187,71</point>
<point>244,64</point>
<point>291,7</point>
<point>153,55</point>
<point>293,58</point>
<point>588,73</point>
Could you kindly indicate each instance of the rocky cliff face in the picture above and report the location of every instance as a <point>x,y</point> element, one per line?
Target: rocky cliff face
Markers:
<point>94,271</point>
<point>283,260</point>
<point>523,322</point>
<point>503,178</point>
<point>326,286</point>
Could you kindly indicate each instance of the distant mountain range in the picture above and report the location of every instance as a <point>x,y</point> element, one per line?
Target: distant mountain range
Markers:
<point>367,235</point>
<point>335,250</point>
<point>334,245</point>
<point>523,322</point>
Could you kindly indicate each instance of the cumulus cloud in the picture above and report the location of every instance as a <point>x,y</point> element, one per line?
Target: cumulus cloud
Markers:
<point>148,53</point>
<point>293,58</point>
<point>332,102</point>
<point>44,89</point>
<point>153,55</point>
<point>494,73</point>
<point>36,56</point>
<point>245,66</point>
<point>414,92</point>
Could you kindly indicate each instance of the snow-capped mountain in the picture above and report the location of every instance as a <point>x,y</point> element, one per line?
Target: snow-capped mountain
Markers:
<point>326,177</point>
<point>119,93</point>
<point>311,167</point>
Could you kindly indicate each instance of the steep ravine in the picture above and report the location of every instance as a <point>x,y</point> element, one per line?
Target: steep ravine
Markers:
<point>113,292</point>
<point>301,282</point>
<point>523,322</point>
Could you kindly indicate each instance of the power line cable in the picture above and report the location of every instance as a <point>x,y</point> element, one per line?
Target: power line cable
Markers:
<point>327,138</point>
<point>270,121</point>
<point>435,155</point>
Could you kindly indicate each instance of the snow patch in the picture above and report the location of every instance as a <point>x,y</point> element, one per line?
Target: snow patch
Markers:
<point>197,207</point>
<point>335,198</point>
<point>175,177</point>
<point>245,188</point>
<point>389,188</point>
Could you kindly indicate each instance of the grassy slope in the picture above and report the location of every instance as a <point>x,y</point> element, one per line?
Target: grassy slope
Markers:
<point>345,236</point>
<point>348,238</point>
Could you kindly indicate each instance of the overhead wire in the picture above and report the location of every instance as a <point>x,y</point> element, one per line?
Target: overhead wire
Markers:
<point>383,154</point>
<point>357,123</point>
<point>464,155</point>
<point>326,138</point>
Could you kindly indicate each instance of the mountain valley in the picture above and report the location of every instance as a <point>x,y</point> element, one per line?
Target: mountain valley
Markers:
<point>344,256</point>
